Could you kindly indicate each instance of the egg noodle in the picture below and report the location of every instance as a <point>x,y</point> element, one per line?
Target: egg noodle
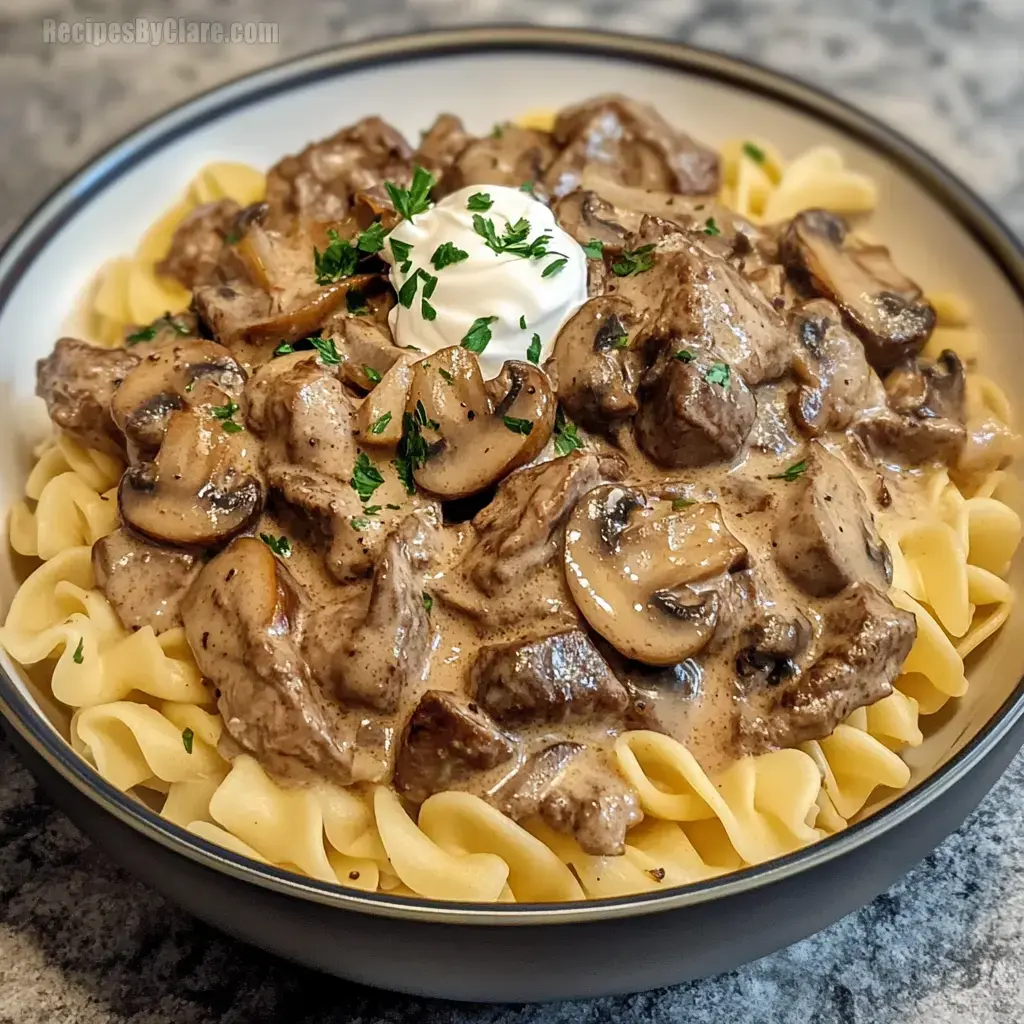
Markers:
<point>144,718</point>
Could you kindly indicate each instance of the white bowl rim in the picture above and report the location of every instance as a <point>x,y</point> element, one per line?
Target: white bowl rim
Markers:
<point>103,170</point>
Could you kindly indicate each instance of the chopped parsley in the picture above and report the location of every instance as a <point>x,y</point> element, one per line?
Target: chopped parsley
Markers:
<point>555,267</point>
<point>401,251</point>
<point>619,341</point>
<point>224,412</point>
<point>684,355</point>
<point>233,237</point>
<point>359,522</point>
<point>422,418</point>
<point>78,657</point>
<point>284,349</point>
<point>187,736</point>
<point>381,424</point>
<point>791,473</point>
<point>445,375</point>
<point>355,301</point>
<point>718,373</point>
<point>711,228</point>
<point>231,427</point>
<point>371,510</point>
<point>337,261</point>
<point>428,602</point>
<point>371,240</point>
<point>447,254</point>
<point>407,293</point>
<point>522,323</point>
<point>281,546</point>
<point>413,451</point>
<point>514,241</point>
<point>533,352</point>
<point>479,334</point>
<point>594,249</point>
<point>527,187</point>
<point>518,426</point>
<point>149,332</point>
<point>678,504</point>
<point>415,199</point>
<point>634,261</point>
<point>567,437</point>
<point>371,374</point>
<point>427,311</point>
<point>756,153</point>
<point>497,131</point>
<point>327,349</point>
<point>366,477</point>
<point>480,202</point>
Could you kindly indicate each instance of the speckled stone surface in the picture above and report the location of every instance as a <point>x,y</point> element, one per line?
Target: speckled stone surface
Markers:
<point>82,943</point>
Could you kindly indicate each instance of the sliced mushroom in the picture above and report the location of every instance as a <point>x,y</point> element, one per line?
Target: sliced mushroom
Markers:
<point>694,409</point>
<point>587,217</point>
<point>628,561</point>
<point>883,307</point>
<point>365,349</point>
<point>378,420</point>
<point>825,537</point>
<point>596,368</point>
<point>172,377</point>
<point>201,488</point>
<point>461,434</point>
<point>243,618</point>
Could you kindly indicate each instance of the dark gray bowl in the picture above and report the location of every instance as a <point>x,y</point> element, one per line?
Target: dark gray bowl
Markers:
<point>522,952</point>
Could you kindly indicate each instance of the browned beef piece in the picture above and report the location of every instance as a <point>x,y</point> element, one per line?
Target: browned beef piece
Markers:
<point>445,743</point>
<point>441,144</point>
<point>201,251</point>
<point>510,156</point>
<point>77,381</point>
<point>694,410</point>
<point>553,679</point>
<point>836,383</point>
<point>575,792</point>
<point>883,306</point>
<point>320,182</point>
<point>924,420</point>
<point>825,537</point>
<point>866,639</point>
<point>145,582</point>
<point>632,144</point>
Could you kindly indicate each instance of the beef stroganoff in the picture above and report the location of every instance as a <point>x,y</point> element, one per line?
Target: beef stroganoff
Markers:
<point>566,512</point>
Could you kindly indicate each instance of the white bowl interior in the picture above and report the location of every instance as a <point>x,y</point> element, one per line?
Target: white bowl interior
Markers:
<point>929,243</point>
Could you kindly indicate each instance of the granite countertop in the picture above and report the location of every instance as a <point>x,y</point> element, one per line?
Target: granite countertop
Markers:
<point>82,943</point>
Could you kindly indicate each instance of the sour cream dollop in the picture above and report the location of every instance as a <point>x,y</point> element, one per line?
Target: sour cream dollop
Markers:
<point>485,283</point>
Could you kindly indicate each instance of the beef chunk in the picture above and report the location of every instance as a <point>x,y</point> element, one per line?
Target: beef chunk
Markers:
<point>145,582</point>
<point>200,252</point>
<point>769,649</point>
<point>883,307</point>
<point>630,143</point>
<point>512,156</point>
<point>320,182</point>
<point>836,383</point>
<point>825,536</point>
<point>575,792</point>
<point>597,371</point>
<point>553,679</point>
<point>445,743</point>
<point>586,216</point>
<point>924,419</point>
<point>865,642</point>
<point>441,144</point>
<point>693,410</point>
<point>77,381</point>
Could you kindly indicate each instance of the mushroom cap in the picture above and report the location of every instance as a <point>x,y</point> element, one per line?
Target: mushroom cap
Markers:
<point>628,560</point>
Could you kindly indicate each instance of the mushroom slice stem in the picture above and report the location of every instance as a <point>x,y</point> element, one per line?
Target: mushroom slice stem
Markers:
<point>628,564</point>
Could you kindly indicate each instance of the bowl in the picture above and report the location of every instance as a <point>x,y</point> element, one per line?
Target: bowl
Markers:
<point>939,232</point>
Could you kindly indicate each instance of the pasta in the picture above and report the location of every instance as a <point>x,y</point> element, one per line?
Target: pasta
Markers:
<point>143,716</point>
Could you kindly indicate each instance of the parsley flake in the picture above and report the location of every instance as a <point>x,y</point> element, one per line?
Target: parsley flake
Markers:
<point>149,332</point>
<point>479,334</point>
<point>187,736</point>
<point>594,249</point>
<point>224,412</point>
<point>634,261</point>
<point>231,427</point>
<point>555,267</point>
<point>718,373</point>
<point>427,311</point>
<point>381,424</point>
<point>522,323</point>
<point>413,451</point>
<point>678,504</point>
<point>517,425</point>
<point>684,355</point>
<point>355,301</point>
<point>284,349</point>
<point>479,202</point>
<point>567,437</point>
<point>533,352</point>
<point>399,249</point>
<point>619,341</point>
<point>756,153</point>
<point>415,199</point>
<point>372,239</point>
<point>527,187</point>
<point>337,261</point>
<point>281,546</point>
<point>711,228</point>
<point>445,375</point>
<point>791,473</point>
<point>359,522</point>
<point>428,602</point>
<point>327,349</point>
<point>447,254</point>
<point>366,477</point>
<point>371,374</point>
<point>497,131</point>
<point>78,657</point>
